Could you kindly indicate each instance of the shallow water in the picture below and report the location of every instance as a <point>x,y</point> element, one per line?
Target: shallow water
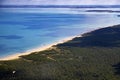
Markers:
<point>24,29</point>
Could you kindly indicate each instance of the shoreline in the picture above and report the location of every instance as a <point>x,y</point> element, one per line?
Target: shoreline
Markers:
<point>42,48</point>
<point>46,47</point>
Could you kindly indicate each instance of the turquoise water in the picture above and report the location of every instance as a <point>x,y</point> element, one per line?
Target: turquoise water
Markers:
<point>22,30</point>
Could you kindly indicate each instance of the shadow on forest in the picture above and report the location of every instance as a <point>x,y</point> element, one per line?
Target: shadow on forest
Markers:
<point>105,37</point>
<point>117,68</point>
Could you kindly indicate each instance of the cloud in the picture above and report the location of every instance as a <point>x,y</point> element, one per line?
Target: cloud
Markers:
<point>60,2</point>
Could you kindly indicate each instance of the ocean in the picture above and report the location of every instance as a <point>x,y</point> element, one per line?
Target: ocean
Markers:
<point>23,29</point>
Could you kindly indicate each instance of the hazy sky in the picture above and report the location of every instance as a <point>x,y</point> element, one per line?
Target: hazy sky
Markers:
<point>60,2</point>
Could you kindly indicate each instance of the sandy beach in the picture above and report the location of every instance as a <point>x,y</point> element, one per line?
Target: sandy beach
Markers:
<point>45,47</point>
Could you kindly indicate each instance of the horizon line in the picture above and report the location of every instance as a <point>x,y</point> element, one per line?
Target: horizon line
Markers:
<point>59,6</point>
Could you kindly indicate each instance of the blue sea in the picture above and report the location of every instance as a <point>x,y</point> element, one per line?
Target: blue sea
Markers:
<point>23,29</point>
